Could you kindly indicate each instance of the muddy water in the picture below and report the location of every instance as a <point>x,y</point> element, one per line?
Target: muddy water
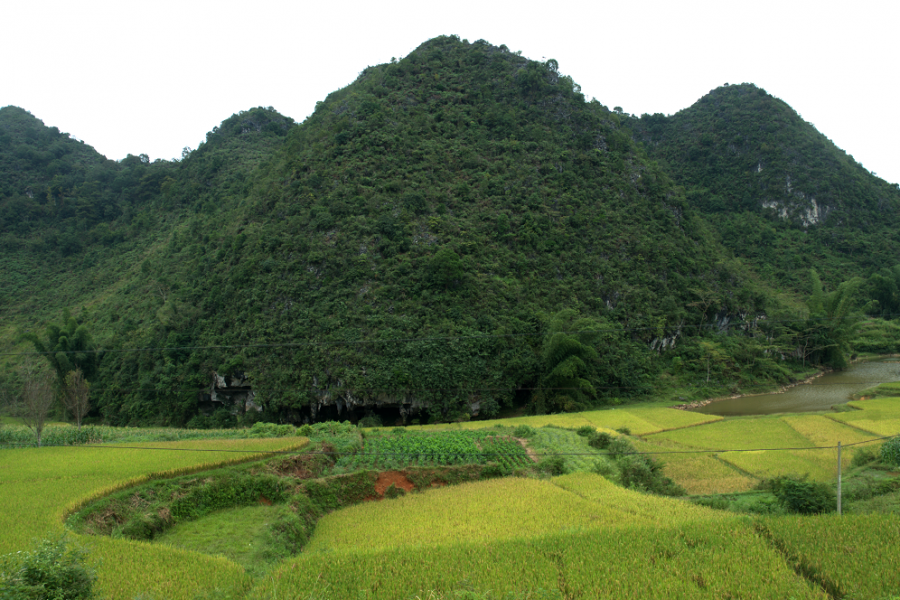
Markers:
<point>820,394</point>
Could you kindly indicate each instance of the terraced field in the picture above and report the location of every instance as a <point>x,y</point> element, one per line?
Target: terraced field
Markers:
<point>38,486</point>
<point>574,536</point>
<point>577,536</point>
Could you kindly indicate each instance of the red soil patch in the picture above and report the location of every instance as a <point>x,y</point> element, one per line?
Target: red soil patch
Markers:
<point>398,479</point>
<point>264,500</point>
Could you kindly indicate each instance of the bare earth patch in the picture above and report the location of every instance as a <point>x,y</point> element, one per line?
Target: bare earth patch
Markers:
<point>395,478</point>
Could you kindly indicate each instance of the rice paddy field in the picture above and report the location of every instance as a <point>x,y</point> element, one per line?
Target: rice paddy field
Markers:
<point>579,536</point>
<point>39,486</point>
<point>571,536</point>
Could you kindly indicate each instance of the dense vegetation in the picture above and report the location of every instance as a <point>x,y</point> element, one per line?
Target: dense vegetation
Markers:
<point>780,194</point>
<point>455,232</point>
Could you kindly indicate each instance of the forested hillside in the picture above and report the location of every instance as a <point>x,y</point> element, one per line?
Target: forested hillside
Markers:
<point>452,233</point>
<point>780,193</point>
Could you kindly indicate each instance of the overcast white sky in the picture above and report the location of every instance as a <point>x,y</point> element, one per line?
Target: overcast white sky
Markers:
<point>152,77</point>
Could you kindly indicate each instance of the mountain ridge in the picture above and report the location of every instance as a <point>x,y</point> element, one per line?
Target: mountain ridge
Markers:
<point>409,251</point>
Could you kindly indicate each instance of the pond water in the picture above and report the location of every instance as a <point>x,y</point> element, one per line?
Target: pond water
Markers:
<point>820,394</point>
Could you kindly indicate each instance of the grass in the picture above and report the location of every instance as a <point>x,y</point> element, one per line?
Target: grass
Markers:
<point>551,440</point>
<point>737,434</point>
<point>41,485</point>
<point>697,473</point>
<point>238,534</point>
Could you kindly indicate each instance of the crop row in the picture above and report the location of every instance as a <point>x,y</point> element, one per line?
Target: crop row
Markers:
<point>434,449</point>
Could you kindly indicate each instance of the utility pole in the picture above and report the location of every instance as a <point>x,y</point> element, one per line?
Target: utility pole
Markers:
<point>839,481</point>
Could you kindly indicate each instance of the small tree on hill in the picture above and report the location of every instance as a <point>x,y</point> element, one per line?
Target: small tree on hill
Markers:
<point>76,395</point>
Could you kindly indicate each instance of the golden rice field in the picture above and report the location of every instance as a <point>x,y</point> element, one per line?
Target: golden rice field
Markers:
<point>703,473</point>
<point>880,416</point>
<point>658,510</point>
<point>639,419</point>
<point>495,510</point>
<point>857,554</point>
<point>663,548</point>
<point>39,486</point>
<point>698,554</point>
<point>576,535</point>
<point>700,561</point>
<point>779,437</point>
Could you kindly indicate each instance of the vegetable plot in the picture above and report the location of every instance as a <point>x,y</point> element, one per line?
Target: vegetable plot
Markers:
<point>391,451</point>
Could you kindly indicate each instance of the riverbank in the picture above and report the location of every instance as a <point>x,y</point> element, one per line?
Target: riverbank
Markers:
<point>839,389</point>
<point>781,390</point>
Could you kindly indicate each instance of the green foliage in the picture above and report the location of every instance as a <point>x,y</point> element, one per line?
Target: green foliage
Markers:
<point>372,254</point>
<point>644,474</point>
<point>575,371</point>
<point>803,497</point>
<point>890,452</point>
<point>523,431</point>
<point>864,456</point>
<point>394,492</point>
<point>268,430</point>
<point>780,194</point>
<point>600,440</point>
<point>832,323</point>
<point>554,465</point>
<point>401,448</point>
<point>67,348</point>
<point>53,570</point>
<point>619,447</point>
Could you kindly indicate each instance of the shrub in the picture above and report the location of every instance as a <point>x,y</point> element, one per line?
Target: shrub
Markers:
<point>222,418</point>
<point>370,421</point>
<point>604,468</point>
<point>494,470</point>
<point>890,451</point>
<point>862,457</point>
<point>645,474</point>
<point>554,465</point>
<point>53,570</point>
<point>599,440</point>
<point>803,497</point>
<point>624,430</point>
<point>717,502</point>
<point>620,447</point>
<point>523,431</point>
<point>585,431</point>
<point>200,421</point>
<point>394,492</point>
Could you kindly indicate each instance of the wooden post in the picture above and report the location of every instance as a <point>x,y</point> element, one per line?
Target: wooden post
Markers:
<point>839,481</point>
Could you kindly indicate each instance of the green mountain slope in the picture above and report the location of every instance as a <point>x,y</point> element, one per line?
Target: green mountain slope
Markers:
<point>450,234</point>
<point>409,241</point>
<point>779,192</point>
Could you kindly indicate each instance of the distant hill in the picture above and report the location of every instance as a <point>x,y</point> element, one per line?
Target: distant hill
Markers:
<point>780,193</point>
<point>452,233</point>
